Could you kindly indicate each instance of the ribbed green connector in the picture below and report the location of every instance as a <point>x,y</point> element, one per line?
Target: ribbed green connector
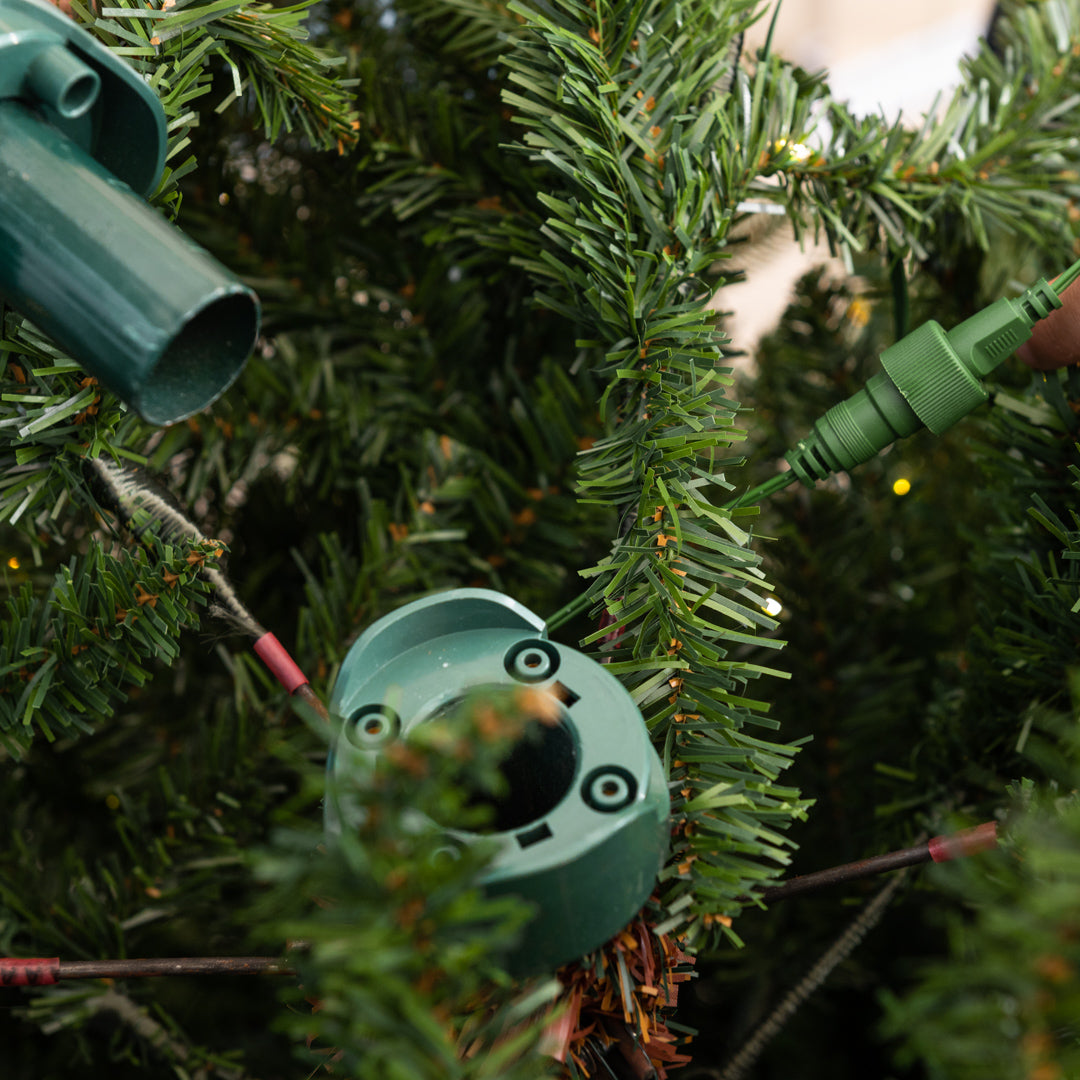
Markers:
<point>931,377</point>
<point>854,431</point>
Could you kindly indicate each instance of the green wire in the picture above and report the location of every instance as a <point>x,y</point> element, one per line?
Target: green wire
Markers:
<point>1066,278</point>
<point>763,491</point>
<point>568,611</point>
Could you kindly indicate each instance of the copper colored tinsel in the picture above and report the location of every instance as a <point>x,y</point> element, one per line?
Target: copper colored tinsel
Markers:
<point>621,995</point>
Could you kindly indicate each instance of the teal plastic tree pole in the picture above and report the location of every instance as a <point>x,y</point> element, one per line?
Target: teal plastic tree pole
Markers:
<point>931,378</point>
<point>82,255</point>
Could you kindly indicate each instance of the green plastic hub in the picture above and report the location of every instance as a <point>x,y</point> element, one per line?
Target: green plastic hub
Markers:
<point>585,828</point>
<point>930,378</point>
<point>126,294</point>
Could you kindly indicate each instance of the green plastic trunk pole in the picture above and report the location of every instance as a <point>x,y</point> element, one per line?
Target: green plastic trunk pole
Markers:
<point>136,302</point>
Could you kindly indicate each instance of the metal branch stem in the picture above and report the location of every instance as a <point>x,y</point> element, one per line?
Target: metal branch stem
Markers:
<point>189,965</point>
<point>943,848</point>
<point>837,875</point>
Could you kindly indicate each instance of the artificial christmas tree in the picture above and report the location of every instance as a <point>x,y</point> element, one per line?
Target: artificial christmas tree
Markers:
<point>489,361</point>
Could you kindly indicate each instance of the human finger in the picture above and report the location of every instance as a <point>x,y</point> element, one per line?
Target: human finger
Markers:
<point>1055,340</point>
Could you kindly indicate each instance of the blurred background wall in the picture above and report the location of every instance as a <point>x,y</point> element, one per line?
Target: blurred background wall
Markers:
<point>890,57</point>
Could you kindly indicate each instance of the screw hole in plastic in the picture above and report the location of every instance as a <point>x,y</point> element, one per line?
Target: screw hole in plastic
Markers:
<point>372,725</point>
<point>609,788</point>
<point>531,661</point>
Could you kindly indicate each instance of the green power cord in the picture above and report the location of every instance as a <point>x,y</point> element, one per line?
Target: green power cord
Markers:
<point>930,379</point>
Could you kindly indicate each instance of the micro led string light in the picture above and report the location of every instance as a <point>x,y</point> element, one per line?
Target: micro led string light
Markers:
<point>46,971</point>
<point>930,378</point>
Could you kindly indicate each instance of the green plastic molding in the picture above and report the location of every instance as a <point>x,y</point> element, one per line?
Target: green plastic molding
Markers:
<point>89,262</point>
<point>584,830</point>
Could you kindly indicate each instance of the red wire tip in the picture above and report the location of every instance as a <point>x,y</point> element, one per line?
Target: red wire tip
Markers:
<point>965,842</point>
<point>15,971</point>
<point>282,666</point>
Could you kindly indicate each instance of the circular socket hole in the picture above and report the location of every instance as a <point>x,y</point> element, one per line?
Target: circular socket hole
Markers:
<point>539,771</point>
<point>371,726</point>
<point>78,96</point>
<point>609,788</point>
<point>202,359</point>
<point>532,661</point>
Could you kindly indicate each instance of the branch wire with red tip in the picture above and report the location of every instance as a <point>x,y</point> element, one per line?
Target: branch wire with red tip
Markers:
<point>938,849</point>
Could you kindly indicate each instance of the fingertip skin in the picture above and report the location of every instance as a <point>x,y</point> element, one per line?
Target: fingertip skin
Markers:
<point>1055,340</point>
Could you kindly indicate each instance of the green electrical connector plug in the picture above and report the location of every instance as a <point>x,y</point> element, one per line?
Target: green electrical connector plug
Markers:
<point>931,378</point>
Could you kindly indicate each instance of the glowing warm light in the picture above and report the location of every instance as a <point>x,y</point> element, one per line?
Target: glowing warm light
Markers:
<point>901,486</point>
<point>858,312</point>
<point>13,563</point>
<point>797,151</point>
<point>773,606</point>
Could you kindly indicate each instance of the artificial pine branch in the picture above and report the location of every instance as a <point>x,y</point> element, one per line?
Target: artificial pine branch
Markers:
<point>478,31</point>
<point>144,509</point>
<point>626,114</point>
<point>70,656</point>
<point>999,158</point>
<point>417,447</point>
<point>263,48</point>
<point>164,1040</point>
